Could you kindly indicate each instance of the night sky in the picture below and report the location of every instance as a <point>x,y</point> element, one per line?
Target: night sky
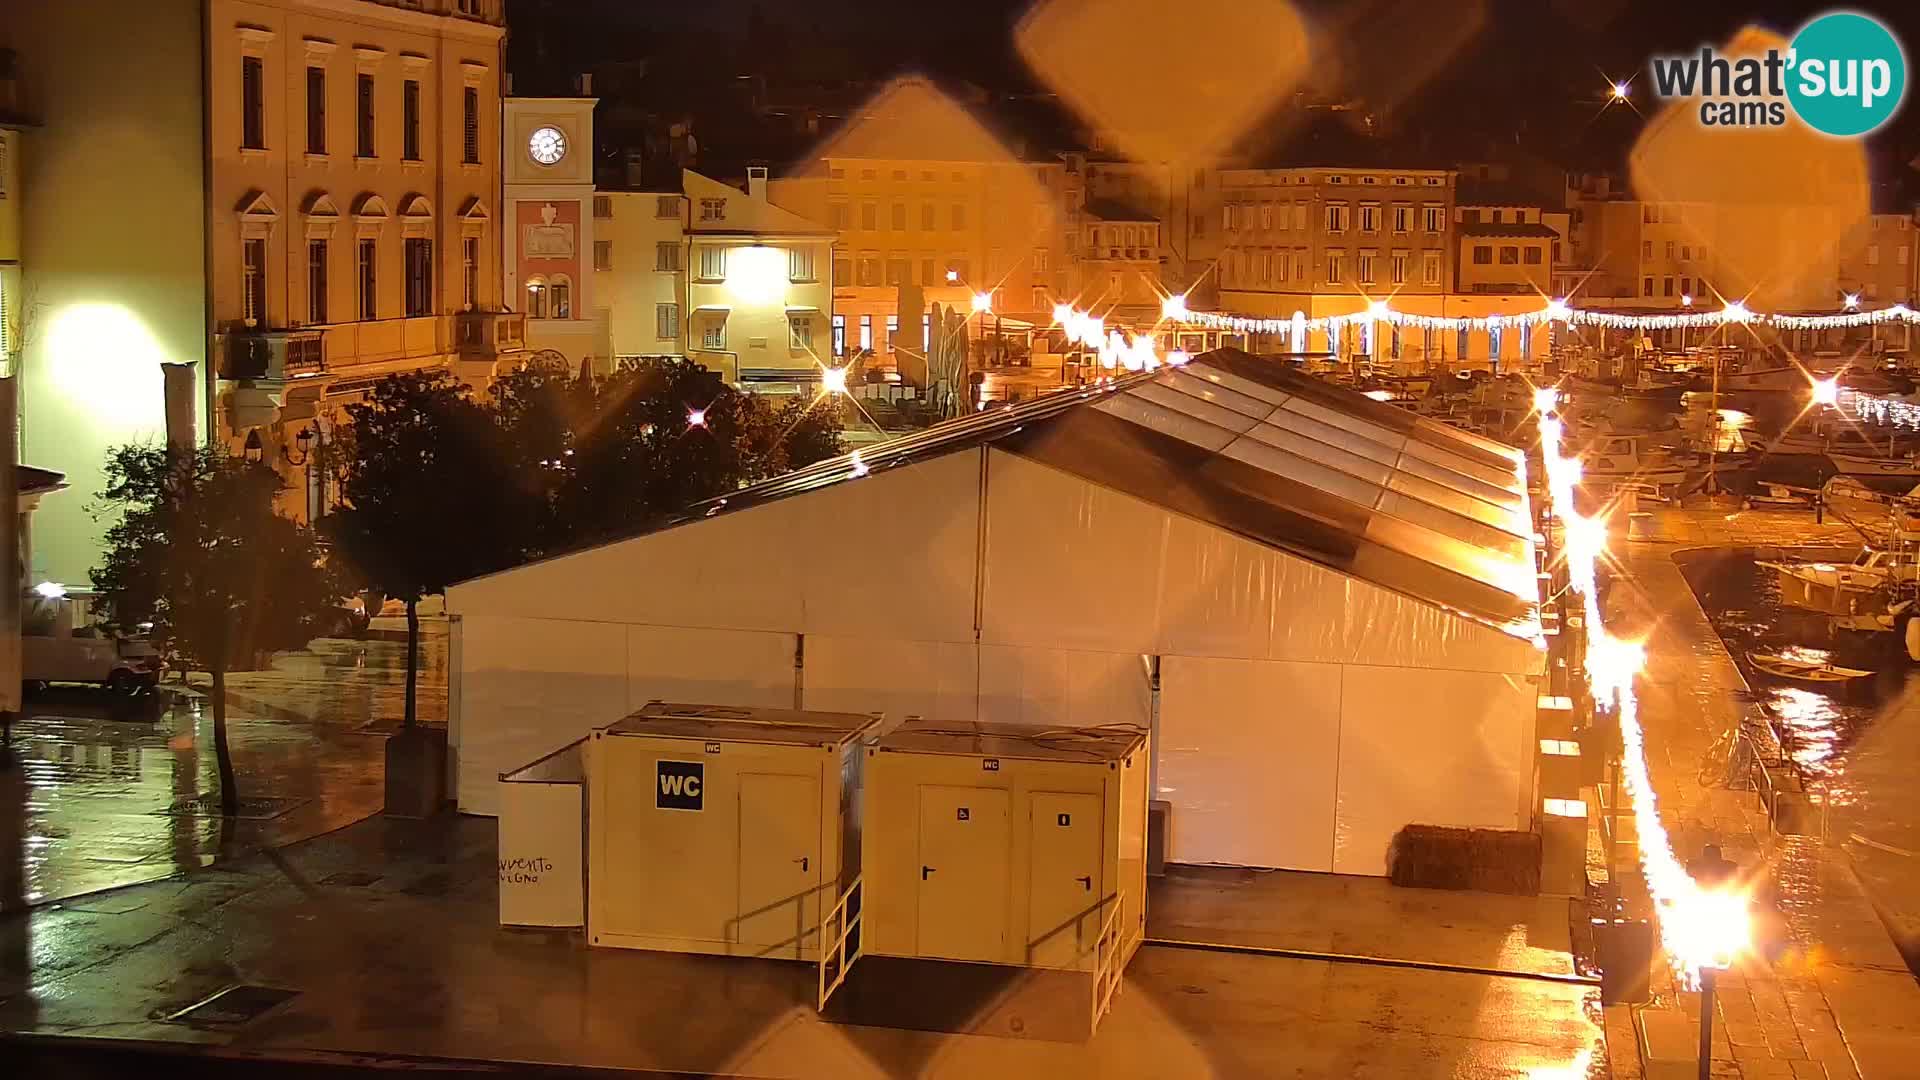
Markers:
<point>1524,73</point>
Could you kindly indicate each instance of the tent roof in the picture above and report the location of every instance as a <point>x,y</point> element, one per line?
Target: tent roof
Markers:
<point>1289,461</point>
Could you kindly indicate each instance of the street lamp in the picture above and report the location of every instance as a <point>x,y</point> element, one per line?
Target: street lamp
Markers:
<point>1686,301</point>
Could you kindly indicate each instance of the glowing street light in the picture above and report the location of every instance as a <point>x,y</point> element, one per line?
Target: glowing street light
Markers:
<point>696,418</point>
<point>1545,398</point>
<point>1174,307</point>
<point>1620,91</point>
<point>1853,301</point>
<point>982,302</point>
<point>953,275</point>
<point>1826,391</point>
<point>1686,299</point>
<point>1062,314</point>
<point>833,380</point>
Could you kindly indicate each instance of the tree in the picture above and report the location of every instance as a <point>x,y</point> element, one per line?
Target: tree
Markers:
<point>199,553</point>
<point>605,456</point>
<point>425,496</point>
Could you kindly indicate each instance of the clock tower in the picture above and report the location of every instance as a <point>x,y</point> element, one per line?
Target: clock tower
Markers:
<point>547,174</point>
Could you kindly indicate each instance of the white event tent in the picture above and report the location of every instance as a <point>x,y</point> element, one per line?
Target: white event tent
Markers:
<point>1322,607</point>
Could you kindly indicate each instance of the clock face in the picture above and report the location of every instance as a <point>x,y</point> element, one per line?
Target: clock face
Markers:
<point>547,145</point>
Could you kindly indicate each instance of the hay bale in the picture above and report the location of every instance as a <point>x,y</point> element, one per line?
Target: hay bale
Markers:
<point>1487,860</point>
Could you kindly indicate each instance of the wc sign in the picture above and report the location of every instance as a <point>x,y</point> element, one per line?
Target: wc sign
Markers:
<point>679,785</point>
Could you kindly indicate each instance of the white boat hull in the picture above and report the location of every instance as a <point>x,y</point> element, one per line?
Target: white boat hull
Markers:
<point>1856,465</point>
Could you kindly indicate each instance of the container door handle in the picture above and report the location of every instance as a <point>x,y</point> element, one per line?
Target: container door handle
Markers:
<point>802,860</point>
<point>924,871</point>
<point>1086,882</point>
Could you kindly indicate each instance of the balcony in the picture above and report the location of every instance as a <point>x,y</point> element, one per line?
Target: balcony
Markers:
<point>271,356</point>
<point>488,335</point>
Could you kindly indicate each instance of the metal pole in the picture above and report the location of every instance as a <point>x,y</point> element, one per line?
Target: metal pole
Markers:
<point>15,583</point>
<point>1706,1022</point>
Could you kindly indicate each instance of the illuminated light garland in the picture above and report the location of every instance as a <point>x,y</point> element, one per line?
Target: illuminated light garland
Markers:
<point>1556,311</point>
<point>1699,927</point>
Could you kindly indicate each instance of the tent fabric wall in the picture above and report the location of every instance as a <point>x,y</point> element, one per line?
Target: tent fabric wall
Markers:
<point>938,681</point>
<point>1318,766</point>
<point>890,556</point>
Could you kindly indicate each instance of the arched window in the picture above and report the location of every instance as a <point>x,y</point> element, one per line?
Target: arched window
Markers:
<point>560,297</point>
<point>536,298</point>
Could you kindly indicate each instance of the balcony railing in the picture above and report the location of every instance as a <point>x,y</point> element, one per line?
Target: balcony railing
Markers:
<point>277,355</point>
<point>484,335</point>
<point>271,355</point>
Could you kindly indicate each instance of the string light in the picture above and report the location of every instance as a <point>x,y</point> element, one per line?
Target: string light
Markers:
<point>1699,927</point>
<point>1555,311</point>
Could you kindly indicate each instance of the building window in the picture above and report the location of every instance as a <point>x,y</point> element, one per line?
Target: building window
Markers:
<point>316,282</point>
<point>959,215</point>
<point>839,335</point>
<point>1483,254</point>
<point>1039,260</point>
<point>470,272</point>
<point>1646,286</point>
<point>603,254</point>
<point>800,264</point>
<point>369,257</point>
<point>536,298</point>
<point>560,297</point>
<point>927,217</point>
<point>418,254</point>
<point>1266,215</point>
<point>713,263</point>
<point>1509,255</point>
<point>603,207</point>
<point>1532,256</point>
<point>363,96</point>
<point>928,275</point>
<point>410,120</point>
<point>897,214</point>
<point>470,7</point>
<point>470,125</point>
<point>1646,249</point>
<point>316,110</point>
<point>800,332</point>
<point>1436,218</point>
<point>254,291</point>
<point>253,103</point>
<point>666,206</point>
<point>1336,217</point>
<point>1369,217</point>
<point>869,215</point>
<point>713,209</point>
<point>666,322</point>
<point>842,270</point>
<point>1336,268</point>
<point>1364,267</point>
<point>869,269</point>
<point>1666,287</point>
<point>866,333</point>
<point>1873,254</point>
<point>1402,218</point>
<point>896,271</point>
<point>1430,267</point>
<point>1226,217</point>
<point>1397,268</point>
<point>838,216</point>
<point>666,256</point>
<point>714,334</point>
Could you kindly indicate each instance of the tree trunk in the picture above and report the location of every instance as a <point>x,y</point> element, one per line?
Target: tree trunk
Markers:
<point>229,790</point>
<point>413,656</point>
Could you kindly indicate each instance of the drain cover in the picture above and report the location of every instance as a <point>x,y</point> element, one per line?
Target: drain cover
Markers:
<point>352,879</point>
<point>235,1005</point>
<point>263,809</point>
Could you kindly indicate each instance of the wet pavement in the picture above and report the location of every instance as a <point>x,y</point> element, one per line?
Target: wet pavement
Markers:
<point>1827,993</point>
<point>121,791</point>
<point>386,934</point>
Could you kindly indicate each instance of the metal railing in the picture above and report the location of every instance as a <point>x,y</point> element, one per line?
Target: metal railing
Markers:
<point>839,926</point>
<point>1109,954</point>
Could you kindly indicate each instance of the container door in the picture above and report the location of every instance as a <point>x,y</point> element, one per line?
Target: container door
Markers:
<point>963,873</point>
<point>1064,902</point>
<point>779,864</point>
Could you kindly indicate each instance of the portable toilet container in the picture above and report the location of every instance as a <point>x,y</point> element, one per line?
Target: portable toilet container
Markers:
<point>1000,845</point>
<point>722,830</point>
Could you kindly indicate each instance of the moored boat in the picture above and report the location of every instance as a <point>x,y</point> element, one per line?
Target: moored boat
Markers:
<point>1804,670</point>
